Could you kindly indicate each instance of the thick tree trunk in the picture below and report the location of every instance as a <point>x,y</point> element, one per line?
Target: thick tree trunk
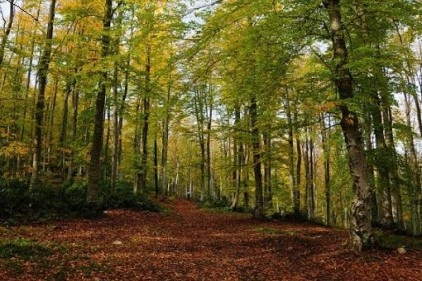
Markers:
<point>94,172</point>
<point>361,236</point>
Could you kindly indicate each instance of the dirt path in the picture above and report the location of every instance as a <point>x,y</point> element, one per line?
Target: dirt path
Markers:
<point>187,243</point>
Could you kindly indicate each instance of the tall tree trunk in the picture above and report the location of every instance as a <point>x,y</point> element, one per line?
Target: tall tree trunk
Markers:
<point>156,182</point>
<point>165,145</point>
<point>199,105</point>
<point>267,167</point>
<point>42,74</point>
<point>325,134</point>
<point>414,187</point>
<point>256,151</point>
<point>237,159</point>
<point>291,152</point>
<point>382,163</point>
<point>143,169</point>
<point>309,175</point>
<point>209,109</point>
<point>388,125</point>
<point>94,170</point>
<point>361,236</point>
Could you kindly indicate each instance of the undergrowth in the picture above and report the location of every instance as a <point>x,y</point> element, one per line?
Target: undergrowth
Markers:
<point>19,204</point>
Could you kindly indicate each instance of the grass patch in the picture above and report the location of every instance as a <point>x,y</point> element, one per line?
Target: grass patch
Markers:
<point>24,249</point>
<point>394,241</point>
<point>275,231</point>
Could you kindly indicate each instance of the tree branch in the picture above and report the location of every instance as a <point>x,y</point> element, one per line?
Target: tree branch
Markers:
<point>22,9</point>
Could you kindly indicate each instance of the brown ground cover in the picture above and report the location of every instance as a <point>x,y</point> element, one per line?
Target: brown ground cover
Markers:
<point>187,243</point>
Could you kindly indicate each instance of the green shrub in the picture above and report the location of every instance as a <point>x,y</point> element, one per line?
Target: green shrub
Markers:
<point>18,203</point>
<point>124,198</point>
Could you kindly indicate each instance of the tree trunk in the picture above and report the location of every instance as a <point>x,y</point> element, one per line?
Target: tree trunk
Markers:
<point>209,109</point>
<point>360,224</point>
<point>237,159</point>
<point>94,172</point>
<point>382,163</point>
<point>43,68</point>
<point>256,151</point>
<point>143,169</point>
<point>295,192</point>
<point>325,134</point>
<point>267,168</point>
<point>165,145</point>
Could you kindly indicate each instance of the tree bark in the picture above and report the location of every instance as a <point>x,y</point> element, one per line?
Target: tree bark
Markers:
<point>42,74</point>
<point>361,236</point>
<point>94,172</point>
<point>325,134</point>
<point>256,151</point>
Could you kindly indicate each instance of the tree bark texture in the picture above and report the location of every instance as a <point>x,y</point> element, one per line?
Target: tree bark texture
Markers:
<point>42,74</point>
<point>361,236</point>
<point>94,172</point>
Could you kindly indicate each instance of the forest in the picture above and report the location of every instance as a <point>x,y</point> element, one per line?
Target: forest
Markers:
<point>304,110</point>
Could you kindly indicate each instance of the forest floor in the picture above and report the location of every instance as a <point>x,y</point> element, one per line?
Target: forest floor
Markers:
<point>188,243</point>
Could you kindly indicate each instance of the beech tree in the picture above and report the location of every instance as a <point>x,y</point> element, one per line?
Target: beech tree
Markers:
<point>94,171</point>
<point>42,74</point>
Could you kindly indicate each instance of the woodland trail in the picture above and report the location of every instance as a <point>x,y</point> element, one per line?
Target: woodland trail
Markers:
<point>187,243</point>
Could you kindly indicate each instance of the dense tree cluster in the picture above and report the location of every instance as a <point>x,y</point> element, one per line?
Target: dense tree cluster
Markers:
<point>303,107</point>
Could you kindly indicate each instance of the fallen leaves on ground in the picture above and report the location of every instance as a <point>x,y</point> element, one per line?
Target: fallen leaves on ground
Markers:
<point>187,243</point>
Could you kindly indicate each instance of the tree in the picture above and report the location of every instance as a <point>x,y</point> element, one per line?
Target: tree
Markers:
<point>42,74</point>
<point>94,172</point>
<point>361,223</point>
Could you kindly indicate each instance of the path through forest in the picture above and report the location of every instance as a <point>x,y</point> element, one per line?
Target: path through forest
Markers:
<point>187,243</point>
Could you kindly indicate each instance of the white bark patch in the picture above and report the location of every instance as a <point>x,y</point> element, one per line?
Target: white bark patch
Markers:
<point>335,24</point>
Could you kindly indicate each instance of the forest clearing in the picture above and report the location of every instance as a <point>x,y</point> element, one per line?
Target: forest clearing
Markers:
<point>188,243</point>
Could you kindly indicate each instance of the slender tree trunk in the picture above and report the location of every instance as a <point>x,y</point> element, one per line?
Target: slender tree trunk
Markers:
<point>209,109</point>
<point>256,151</point>
<point>360,224</point>
<point>94,172</point>
<point>325,134</point>
<point>156,182</point>
<point>165,145</point>
<point>237,159</point>
<point>143,169</point>
<point>294,179</point>
<point>199,113</point>
<point>309,176</point>
<point>391,147</point>
<point>267,168</point>
<point>42,74</point>
<point>382,164</point>
<point>414,187</point>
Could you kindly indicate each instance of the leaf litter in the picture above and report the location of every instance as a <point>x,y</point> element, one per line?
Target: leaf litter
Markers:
<point>188,243</point>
